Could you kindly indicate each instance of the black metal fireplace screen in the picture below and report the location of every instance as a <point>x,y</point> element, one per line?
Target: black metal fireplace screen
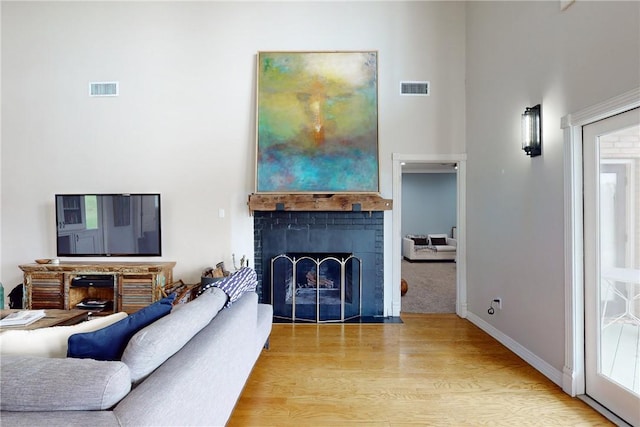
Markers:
<point>316,287</point>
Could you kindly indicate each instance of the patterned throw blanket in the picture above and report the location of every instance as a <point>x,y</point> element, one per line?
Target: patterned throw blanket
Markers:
<point>234,285</point>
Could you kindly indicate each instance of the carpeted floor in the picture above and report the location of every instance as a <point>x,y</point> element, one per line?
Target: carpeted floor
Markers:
<point>432,287</point>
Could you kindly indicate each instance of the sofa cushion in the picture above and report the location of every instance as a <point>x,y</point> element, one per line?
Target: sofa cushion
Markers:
<point>421,241</point>
<point>154,344</point>
<point>50,342</point>
<point>438,241</point>
<point>31,383</point>
<point>109,343</point>
<point>445,248</point>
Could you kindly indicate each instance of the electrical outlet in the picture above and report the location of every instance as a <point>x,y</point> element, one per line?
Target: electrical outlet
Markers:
<point>498,303</point>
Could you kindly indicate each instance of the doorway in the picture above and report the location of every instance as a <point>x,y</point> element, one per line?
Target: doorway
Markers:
<point>611,164</point>
<point>460,274</point>
<point>429,209</point>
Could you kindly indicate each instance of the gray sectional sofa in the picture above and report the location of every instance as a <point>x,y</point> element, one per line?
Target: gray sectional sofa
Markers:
<point>187,368</point>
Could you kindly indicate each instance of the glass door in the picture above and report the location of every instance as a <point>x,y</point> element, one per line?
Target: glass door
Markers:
<point>611,150</point>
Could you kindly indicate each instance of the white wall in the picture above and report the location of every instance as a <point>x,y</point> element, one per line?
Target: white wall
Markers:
<point>184,122</point>
<point>428,203</point>
<point>520,54</point>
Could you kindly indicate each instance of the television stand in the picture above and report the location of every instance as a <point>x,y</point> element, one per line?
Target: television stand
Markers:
<point>130,285</point>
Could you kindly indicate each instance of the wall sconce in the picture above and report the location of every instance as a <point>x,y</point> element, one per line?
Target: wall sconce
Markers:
<point>532,131</point>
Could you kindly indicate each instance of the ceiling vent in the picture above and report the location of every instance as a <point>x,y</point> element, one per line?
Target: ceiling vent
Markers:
<point>415,88</point>
<point>103,89</point>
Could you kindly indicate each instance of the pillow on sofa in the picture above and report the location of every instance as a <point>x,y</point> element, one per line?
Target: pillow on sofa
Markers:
<point>50,342</point>
<point>151,346</point>
<point>423,241</point>
<point>31,383</point>
<point>235,285</point>
<point>438,241</point>
<point>109,343</point>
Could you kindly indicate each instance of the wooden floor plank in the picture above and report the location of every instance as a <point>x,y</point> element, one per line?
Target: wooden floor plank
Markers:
<point>432,370</point>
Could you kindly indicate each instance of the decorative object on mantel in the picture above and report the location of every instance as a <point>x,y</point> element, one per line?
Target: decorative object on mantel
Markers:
<point>317,128</point>
<point>318,202</point>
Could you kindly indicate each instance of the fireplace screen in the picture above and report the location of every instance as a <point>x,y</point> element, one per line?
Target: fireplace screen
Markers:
<point>316,287</point>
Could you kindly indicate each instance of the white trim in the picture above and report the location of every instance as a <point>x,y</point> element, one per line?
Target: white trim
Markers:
<point>573,379</point>
<point>604,411</point>
<point>461,258</point>
<point>396,231</point>
<point>573,372</point>
<point>611,107</point>
<point>461,249</point>
<point>532,359</point>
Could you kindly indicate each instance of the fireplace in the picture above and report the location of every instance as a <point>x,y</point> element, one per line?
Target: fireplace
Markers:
<point>282,234</point>
<point>319,287</point>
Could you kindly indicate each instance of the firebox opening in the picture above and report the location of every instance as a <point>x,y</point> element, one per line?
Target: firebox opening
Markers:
<point>316,287</point>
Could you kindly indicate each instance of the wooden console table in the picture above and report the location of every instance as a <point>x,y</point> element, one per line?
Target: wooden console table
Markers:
<point>135,284</point>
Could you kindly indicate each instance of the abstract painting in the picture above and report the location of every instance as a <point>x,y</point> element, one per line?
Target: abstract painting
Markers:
<point>317,129</point>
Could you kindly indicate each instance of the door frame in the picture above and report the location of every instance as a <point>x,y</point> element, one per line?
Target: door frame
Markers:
<point>573,378</point>
<point>461,259</point>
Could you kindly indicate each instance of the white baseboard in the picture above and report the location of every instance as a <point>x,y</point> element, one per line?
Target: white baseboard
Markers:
<point>462,310</point>
<point>604,411</point>
<point>533,360</point>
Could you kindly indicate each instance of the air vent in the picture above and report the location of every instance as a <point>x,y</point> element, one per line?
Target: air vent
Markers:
<point>414,88</point>
<point>103,89</point>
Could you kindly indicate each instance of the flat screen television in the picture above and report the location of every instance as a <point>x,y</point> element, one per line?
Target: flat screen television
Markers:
<point>108,225</point>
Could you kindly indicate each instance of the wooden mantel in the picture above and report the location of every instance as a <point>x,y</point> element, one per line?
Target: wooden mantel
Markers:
<point>318,202</point>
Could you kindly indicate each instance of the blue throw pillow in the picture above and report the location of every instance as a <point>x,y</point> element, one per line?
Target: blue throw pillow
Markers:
<point>109,343</point>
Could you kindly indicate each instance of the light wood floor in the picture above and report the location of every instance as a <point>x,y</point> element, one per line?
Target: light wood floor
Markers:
<point>433,370</point>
